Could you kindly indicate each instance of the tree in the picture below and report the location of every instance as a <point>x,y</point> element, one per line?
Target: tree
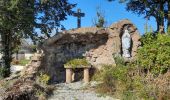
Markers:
<point>149,8</point>
<point>22,18</point>
<point>168,2</point>
<point>100,21</point>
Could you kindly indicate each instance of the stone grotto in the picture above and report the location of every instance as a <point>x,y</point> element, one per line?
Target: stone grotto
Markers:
<point>97,45</point>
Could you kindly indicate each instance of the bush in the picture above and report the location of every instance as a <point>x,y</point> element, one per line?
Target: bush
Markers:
<point>147,78</point>
<point>154,56</point>
<point>43,79</point>
<point>108,82</point>
<point>2,72</point>
<point>123,82</point>
<point>114,78</point>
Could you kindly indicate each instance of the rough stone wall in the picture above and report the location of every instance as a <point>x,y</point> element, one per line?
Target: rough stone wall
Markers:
<point>72,44</point>
<point>96,44</point>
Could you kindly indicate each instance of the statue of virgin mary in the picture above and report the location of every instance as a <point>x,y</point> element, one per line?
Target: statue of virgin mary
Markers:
<point>126,44</point>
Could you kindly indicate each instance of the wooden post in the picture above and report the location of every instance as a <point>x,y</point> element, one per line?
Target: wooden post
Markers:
<point>68,75</point>
<point>86,75</point>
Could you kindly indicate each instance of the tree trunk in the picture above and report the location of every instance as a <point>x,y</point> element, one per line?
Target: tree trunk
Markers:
<point>161,25</point>
<point>6,45</point>
<point>161,28</point>
<point>168,16</point>
<point>17,55</point>
<point>158,24</point>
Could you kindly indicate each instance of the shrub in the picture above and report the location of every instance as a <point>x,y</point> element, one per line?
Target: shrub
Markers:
<point>43,79</point>
<point>2,72</point>
<point>123,82</point>
<point>147,78</point>
<point>154,56</point>
<point>108,82</point>
<point>114,78</point>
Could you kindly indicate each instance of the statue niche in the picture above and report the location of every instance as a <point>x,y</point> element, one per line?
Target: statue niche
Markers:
<point>126,44</point>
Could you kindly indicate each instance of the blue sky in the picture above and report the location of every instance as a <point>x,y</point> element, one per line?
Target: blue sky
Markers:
<point>113,12</point>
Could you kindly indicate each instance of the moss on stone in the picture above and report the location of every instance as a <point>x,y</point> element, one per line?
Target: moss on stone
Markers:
<point>77,63</point>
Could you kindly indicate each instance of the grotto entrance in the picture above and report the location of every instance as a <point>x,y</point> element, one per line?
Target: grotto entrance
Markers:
<point>72,45</point>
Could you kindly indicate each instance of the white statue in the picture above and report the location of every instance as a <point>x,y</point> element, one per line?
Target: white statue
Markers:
<point>126,43</point>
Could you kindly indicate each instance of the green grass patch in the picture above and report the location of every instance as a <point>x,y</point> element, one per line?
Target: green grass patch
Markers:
<point>76,63</point>
<point>23,62</point>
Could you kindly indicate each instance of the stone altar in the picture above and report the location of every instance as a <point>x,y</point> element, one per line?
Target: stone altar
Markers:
<point>70,77</point>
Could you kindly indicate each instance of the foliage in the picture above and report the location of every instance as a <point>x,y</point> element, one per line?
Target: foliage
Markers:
<point>159,9</point>
<point>41,95</point>
<point>145,78</point>
<point>78,62</point>
<point>149,8</point>
<point>108,82</point>
<point>23,62</point>
<point>124,82</point>
<point>2,70</point>
<point>155,53</point>
<point>100,21</point>
<point>113,78</point>
<point>43,79</point>
<point>22,18</point>
<point>119,60</point>
<point>34,47</point>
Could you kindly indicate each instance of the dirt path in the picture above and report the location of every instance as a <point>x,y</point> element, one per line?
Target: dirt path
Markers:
<point>77,91</point>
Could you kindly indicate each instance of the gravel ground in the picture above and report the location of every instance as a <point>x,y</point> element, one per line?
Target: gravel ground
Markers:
<point>77,91</point>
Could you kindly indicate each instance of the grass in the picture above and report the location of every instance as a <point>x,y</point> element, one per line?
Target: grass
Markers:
<point>23,62</point>
<point>75,63</point>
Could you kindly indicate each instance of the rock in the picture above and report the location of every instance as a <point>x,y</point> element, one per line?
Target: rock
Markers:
<point>22,86</point>
<point>16,68</point>
<point>21,90</point>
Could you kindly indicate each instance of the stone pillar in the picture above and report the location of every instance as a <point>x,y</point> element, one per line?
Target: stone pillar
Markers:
<point>73,76</point>
<point>86,75</point>
<point>68,75</point>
